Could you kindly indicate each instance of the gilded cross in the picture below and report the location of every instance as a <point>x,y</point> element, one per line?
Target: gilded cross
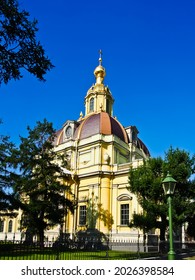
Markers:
<point>100,58</point>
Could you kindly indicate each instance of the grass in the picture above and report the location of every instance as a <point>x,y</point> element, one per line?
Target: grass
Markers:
<point>50,254</point>
<point>190,258</point>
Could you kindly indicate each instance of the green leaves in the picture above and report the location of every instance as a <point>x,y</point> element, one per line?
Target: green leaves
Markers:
<point>42,183</point>
<point>6,174</point>
<point>19,47</point>
<point>145,182</point>
<point>95,211</point>
<point>181,164</point>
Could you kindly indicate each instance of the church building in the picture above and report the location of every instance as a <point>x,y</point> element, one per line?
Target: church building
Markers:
<point>100,152</point>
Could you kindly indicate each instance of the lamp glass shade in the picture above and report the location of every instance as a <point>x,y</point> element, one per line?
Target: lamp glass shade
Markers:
<point>169,185</point>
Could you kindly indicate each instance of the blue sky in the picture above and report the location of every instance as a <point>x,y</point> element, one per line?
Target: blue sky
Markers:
<point>149,55</point>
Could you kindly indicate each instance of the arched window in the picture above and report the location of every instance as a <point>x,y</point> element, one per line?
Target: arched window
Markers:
<point>10,226</point>
<point>1,226</point>
<point>91,105</point>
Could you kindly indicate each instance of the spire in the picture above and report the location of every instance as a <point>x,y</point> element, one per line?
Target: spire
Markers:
<point>100,71</point>
<point>100,58</point>
<point>99,98</point>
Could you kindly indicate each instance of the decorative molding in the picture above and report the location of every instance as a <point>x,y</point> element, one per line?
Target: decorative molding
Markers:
<point>124,197</point>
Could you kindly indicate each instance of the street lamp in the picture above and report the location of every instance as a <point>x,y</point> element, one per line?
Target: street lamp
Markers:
<point>169,187</point>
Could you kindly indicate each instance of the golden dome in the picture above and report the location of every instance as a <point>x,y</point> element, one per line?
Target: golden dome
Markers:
<point>100,71</point>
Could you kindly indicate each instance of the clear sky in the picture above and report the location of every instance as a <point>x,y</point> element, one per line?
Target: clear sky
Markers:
<point>149,55</point>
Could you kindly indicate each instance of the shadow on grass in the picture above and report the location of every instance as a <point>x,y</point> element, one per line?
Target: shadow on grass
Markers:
<point>20,252</point>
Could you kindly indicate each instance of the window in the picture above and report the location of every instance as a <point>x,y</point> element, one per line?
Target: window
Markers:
<point>82,215</point>
<point>91,105</point>
<point>124,214</point>
<point>1,226</point>
<point>107,106</point>
<point>10,226</point>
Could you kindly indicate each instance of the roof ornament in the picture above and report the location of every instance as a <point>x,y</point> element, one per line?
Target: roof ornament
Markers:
<point>81,116</point>
<point>100,71</point>
<point>100,58</point>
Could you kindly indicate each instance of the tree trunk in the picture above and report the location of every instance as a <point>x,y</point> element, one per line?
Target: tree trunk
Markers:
<point>162,245</point>
<point>162,233</point>
<point>41,237</point>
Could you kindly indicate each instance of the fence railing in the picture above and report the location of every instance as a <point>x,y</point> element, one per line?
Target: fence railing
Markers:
<point>80,250</point>
<point>85,250</point>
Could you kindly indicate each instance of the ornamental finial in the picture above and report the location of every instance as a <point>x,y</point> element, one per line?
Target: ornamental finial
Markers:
<point>99,71</point>
<point>100,58</point>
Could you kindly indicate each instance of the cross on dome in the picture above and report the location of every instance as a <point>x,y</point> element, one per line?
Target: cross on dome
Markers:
<point>100,71</point>
<point>100,58</point>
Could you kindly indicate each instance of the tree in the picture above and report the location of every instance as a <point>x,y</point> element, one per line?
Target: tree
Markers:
<point>95,211</point>
<point>145,182</point>
<point>42,186</point>
<point>191,227</point>
<point>182,166</point>
<point>7,199</point>
<point>92,237</point>
<point>19,47</point>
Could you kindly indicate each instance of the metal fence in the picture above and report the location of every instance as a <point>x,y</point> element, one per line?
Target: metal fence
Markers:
<point>89,249</point>
<point>80,250</point>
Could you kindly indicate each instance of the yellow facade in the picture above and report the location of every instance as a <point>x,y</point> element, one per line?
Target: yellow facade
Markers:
<point>99,152</point>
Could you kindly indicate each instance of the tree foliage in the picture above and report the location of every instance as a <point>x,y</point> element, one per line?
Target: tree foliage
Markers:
<point>95,211</point>
<point>145,182</point>
<point>182,167</point>
<point>7,176</point>
<point>42,185</point>
<point>19,47</point>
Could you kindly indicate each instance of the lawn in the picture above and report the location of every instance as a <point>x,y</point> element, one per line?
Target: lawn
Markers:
<point>50,254</point>
<point>190,258</point>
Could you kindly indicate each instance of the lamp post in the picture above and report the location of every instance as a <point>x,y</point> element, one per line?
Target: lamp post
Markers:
<point>169,187</point>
